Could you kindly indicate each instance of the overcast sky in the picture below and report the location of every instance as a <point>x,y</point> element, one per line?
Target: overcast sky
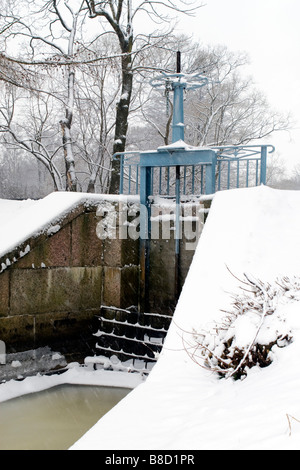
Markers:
<point>269,31</point>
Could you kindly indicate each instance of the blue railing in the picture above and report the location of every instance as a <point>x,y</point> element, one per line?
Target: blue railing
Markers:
<point>237,167</point>
<point>129,172</point>
<point>242,166</point>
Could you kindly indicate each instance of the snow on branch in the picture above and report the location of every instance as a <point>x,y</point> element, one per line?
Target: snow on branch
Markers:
<point>248,333</point>
<point>57,60</point>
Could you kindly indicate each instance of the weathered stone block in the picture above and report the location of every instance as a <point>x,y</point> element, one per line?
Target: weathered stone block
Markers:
<point>185,260</point>
<point>86,246</point>
<point>162,289</point>
<point>62,326</point>
<point>117,252</point>
<point>130,286</point>
<point>16,331</point>
<point>112,287</point>
<point>58,289</point>
<point>4,294</point>
<point>54,251</point>
<point>119,233</point>
<point>120,287</point>
<point>162,253</point>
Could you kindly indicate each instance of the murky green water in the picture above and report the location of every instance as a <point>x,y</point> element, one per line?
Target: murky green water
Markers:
<point>55,418</point>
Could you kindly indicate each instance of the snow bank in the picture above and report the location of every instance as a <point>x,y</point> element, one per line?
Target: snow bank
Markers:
<point>183,406</point>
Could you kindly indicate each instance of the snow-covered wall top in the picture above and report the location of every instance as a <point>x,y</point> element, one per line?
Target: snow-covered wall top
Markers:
<point>22,220</point>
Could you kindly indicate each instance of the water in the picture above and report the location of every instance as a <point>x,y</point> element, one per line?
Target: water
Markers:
<point>55,418</point>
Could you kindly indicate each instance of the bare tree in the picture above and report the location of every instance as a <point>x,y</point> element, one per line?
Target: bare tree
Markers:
<point>31,129</point>
<point>276,171</point>
<point>58,22</point>
<point>96,95</point>
<point>228,110</point>
<point>120,16</point>
<point>66,123</point>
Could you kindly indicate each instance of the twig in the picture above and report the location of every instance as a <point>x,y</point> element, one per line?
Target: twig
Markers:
<point>289,418</point>
<point>257,331</point>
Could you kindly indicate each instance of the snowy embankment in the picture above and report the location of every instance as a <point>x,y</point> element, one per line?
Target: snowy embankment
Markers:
<point>184,406</point>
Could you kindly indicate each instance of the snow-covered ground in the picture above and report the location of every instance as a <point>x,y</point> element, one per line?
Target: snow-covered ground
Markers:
<point>182,405</point>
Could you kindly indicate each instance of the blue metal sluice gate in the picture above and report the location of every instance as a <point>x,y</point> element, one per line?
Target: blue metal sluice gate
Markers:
<point>179,170</point>
<point>179,173</point>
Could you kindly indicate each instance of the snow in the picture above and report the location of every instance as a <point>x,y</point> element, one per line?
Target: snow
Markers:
<point>180,145</point>
<point>11,208</point>
<point>21,220</point>
<point>125,96</point>
<point>75,374</point>
<point>182,405</point>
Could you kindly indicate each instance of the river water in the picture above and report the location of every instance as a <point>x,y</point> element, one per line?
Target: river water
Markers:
<point>55,418</point>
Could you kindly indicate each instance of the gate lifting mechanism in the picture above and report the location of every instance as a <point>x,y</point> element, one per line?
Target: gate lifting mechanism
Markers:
<point>175,155</point>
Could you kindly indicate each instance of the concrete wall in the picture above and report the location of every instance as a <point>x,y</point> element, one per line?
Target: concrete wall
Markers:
<point>51,295</point>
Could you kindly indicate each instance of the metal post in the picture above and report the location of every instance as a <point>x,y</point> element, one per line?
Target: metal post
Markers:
<point>210,176</point>
<point>145,234</point>
<point>178,65</point>
<point>121,173</point>
<point>178,134</point>
<point>179,83</point>
<point>178,113</point>
<point>263,165</point>
<point>177,234</point>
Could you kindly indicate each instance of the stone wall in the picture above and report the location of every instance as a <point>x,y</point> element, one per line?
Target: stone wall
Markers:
<point>51,295</point>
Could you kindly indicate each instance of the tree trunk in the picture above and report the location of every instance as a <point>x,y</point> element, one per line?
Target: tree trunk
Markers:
<point>121,122</point>
<point>71,184</point>
<point>69,160</point>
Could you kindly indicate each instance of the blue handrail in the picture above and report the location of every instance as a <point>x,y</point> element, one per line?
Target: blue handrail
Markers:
<point>237,166</point>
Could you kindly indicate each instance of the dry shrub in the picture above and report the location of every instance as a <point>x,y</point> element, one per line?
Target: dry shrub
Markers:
<point>247,334</point>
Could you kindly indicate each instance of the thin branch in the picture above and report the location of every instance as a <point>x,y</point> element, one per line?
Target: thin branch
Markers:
<point>57,61</point>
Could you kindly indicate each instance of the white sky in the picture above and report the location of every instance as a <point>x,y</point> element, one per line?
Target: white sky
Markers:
<point>269,31</point>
